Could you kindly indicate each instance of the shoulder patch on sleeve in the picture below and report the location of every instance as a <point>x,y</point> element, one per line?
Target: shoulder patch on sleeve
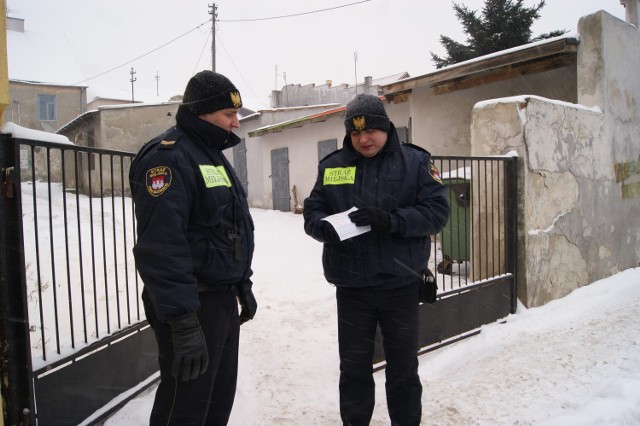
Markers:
<point>158,180</point>
<point>435,173</point>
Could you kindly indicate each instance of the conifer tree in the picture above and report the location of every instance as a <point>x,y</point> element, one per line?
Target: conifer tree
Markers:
<point>503,24</point>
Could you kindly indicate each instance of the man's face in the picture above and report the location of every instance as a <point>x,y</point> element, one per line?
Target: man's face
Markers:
<point>368,142</point>
<point>226,119</point>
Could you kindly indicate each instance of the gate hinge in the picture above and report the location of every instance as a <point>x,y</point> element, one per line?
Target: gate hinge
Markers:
<point>8,181</point>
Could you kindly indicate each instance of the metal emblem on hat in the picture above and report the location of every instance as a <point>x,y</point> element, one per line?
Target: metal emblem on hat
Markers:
<point>158,180</point>
<point>359,123</point>
<point>235,99</point>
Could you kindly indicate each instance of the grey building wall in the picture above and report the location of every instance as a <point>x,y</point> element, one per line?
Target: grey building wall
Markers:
<point>70,101</point>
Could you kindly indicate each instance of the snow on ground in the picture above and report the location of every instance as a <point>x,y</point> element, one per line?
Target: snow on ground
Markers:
<point>574,361</point>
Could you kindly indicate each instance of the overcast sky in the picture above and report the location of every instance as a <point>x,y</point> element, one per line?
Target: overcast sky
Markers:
<point>389,36</point>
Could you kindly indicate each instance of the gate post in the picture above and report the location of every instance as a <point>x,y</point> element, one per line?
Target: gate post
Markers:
<point>511,227</point>
<point>15,353</point>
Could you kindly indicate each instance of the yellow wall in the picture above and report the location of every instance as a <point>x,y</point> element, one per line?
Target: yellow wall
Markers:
<point>4,99</point>
<point>4,71</point>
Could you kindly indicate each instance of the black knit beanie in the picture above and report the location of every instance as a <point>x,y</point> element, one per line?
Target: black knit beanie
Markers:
<point>208,91</point>
<point>366,112</point>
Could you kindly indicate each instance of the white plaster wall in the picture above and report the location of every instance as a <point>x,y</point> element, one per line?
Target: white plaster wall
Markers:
<point>302,143</point>
<point>441,123</point>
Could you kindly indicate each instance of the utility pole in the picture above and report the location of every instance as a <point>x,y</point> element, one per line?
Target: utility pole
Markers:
<point>157,81</point>
<point>132,72</point>
<point>213,11</point>
<point>355,68</point>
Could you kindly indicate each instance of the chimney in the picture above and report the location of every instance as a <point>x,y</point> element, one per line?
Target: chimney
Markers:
<point>15,24</point>
<point>367,85</point>
<point>276,98</point>
<point>632,12</point>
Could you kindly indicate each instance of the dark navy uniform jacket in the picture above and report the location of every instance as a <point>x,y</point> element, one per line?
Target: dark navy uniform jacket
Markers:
<point>195,232</point>
<point>400,179</point>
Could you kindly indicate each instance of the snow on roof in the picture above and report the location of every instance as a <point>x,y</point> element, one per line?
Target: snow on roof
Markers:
<point>45,58</point>
<point>523,98</point>
<point>382,81</point>
<point>20,132</point>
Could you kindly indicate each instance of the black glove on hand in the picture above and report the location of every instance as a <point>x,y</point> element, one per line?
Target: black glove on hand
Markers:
<point>428,288</point>
<point>248,303</point>
<point>379,219</point>
<point>190,356</point>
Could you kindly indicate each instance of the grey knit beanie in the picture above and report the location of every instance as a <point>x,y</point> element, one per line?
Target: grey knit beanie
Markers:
<point>366,112</point>
<point>208,91</point>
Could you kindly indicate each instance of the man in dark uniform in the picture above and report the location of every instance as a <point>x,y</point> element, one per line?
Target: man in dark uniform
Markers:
<point>398,193</point>
<point>194,251</point>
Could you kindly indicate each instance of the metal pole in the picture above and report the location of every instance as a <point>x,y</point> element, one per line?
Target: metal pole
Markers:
<point>132,72</point>
<point>15,357</point>
<point>355,68</point>
<point>213,11</point>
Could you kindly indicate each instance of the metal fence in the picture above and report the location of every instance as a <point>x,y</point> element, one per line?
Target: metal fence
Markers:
<point>474,257</point>
<point>479,240</point>
<point>81,290</point>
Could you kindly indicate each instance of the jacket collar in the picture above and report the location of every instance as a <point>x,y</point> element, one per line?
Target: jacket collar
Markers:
<point>204,132</point>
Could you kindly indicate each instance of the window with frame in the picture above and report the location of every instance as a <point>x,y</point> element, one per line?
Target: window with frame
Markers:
<point>47,107</point>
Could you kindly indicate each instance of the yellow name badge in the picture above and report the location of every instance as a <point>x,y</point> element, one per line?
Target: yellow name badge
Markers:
<point>340,176</point>
<point>215,176</point>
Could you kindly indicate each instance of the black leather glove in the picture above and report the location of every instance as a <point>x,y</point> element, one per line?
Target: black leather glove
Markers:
<point>379,219</point>
<point>190,356</point>
<point>247,300</point>
<point>428,287</point>
<point>329,233</point>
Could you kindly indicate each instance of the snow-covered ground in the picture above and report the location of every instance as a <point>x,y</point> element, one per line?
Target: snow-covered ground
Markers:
<point>574,361</point>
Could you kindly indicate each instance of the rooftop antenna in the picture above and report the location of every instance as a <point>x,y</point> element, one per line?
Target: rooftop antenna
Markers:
<point>132,72</point>
<point>286,89</point>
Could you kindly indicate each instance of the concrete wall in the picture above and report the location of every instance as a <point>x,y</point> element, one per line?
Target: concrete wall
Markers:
<point>23,108</point>
<point>127,129</point>
<point>579,175</point>
<point>116,128</point>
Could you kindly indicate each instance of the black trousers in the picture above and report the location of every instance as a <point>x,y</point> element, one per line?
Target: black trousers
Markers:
<point>396,311</point>
<point>208,399</point>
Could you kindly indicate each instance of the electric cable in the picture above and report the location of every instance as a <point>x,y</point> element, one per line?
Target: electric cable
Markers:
<point>293,14</point>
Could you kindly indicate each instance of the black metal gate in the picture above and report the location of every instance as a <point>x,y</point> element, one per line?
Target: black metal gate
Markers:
<point>73,337</point>
<point>474,257</point>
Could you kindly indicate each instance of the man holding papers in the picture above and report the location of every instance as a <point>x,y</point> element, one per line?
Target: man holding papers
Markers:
<point>375,204</point>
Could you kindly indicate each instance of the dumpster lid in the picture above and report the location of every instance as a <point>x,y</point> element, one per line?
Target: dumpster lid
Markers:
<point>461,173</point>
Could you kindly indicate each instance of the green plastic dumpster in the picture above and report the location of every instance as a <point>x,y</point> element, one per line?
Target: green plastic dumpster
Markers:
<point>456,242</point>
